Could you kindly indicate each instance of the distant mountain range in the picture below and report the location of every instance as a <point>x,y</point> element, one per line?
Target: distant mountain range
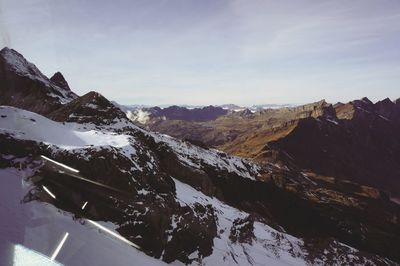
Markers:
<point>319,136</point>
<point>308,185</point>
<point>228,107</point>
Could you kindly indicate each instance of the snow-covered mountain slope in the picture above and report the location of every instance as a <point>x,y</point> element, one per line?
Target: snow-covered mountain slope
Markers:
<point>150,203</point>
<point>30,126</point>
<point>73,136</point>
<point>40,227</point>
<point>22,85</point>
<point>17,63</point>
<point>195,156</point>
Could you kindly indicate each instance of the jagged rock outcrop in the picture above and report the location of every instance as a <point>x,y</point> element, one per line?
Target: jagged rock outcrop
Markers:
<point>60,81</point>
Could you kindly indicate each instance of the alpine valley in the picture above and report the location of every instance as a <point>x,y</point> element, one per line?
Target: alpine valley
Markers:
<point>317,184</point>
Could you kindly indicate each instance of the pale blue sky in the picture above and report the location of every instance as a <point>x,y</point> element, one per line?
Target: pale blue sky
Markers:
<point>212,52</point>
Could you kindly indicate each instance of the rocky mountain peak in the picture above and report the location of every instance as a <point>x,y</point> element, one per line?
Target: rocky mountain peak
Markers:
<point>89,108</point>
<point>316,109</point>
<point>366,100</point>
<point>386,102</point>
<point>384,105</point>
<point>60,81</point>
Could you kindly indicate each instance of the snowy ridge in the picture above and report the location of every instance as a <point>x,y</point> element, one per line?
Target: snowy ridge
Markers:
<point>81,138</point>
<point>21,66</point>
<point>195,156</point>
<point>70,137</point>
<point>30,126</point>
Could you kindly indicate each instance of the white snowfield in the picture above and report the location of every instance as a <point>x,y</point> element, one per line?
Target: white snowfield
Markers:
<point>30,126</point>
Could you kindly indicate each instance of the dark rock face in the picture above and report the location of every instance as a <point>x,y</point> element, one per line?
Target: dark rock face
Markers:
<point>243,230</point>
<point>60,81</point>
<point>24,86</point>
<point>192,234</point>
<point>362,146</point>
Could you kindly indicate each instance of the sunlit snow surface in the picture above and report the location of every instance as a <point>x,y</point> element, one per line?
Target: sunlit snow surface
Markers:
<point>27,257</point>
<point>29,126</point>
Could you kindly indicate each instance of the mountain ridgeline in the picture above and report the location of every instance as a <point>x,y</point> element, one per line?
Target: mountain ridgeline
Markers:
<point>354,141</point>
<point>304,185</point>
